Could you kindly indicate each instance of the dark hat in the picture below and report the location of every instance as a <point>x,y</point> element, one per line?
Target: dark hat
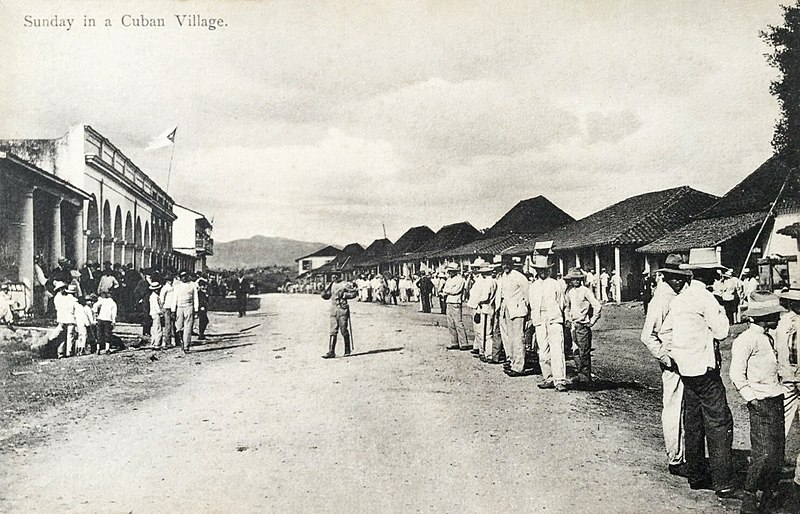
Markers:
<point>674,265</point>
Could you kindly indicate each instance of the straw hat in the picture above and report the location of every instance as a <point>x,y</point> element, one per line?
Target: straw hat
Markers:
<point>452,267</point>
<point>702,258</point>
<point>762,303</point>
<point>540,262</point>
<point>155,286</point>
<point>58,285</point>
<point>71,289</point>
<point>574,273</point>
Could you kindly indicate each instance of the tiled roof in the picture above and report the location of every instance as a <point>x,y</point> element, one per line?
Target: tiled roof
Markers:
<point>635,221</point>
<point>703,233</point>
<point>449,236</point>
<point>376,252</point>
<point>532,216</point>
<point>413,238</point>
<point>353,249</point>
<point>759,189</point>
<point>485,246</point>
<point>328,251</point>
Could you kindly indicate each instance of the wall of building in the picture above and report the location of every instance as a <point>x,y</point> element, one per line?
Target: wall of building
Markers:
<point>316,262</point>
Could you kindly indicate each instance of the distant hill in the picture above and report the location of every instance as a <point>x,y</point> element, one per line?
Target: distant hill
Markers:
<point>260,251</point>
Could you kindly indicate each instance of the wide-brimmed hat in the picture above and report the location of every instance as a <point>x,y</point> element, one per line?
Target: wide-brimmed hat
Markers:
<point>574,273</point>
<point>540,262</point>
<point>791,294</point>
<point>674,264</point>
<point>155,286</point>
<point>58,285</point>
<point>452,267</point>
<point>702,258</point>
<point>762,303</point>
<point>486,268</point>
<point>62,260</point>
<point>71,289</point>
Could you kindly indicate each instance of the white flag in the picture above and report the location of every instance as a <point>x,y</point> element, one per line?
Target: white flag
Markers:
<point>165,139</point>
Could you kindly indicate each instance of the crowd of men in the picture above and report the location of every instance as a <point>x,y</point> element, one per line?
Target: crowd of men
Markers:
<point>532,324</point>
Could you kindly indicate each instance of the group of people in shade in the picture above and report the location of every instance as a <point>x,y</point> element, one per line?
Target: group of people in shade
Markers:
<point>689,314</point>
<point>684,325</point>
<point>87,304</point>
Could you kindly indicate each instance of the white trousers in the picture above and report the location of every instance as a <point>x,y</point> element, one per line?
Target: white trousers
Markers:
<point>512,333</point>
<point>550,338</point>
<point>672,416</point>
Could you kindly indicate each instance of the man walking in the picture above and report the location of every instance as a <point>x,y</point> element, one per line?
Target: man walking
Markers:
<point>787,345</point>
<point>425,286</point>
<point>242,288</point>
<point>340,313</point>
<point>657,342</point>
<point>513,291</point>
<point>697,322</point>
<point>547,317</point>
<point>453,293</point>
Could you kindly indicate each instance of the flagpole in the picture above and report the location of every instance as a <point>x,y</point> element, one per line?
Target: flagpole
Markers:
<point>169,170</point>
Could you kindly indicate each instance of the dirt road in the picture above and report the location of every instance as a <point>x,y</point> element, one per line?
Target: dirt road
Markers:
<point>402,426</point>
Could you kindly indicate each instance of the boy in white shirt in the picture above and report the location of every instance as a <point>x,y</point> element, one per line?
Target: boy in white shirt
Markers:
<point>156,313</point>
<point>65,304</point>
<point>81,327</point>
<point>106,311</point>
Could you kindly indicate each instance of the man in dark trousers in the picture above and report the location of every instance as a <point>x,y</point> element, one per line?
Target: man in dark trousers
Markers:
<point>340,291</point>
<point>242,288</point>
<point>425,286</point>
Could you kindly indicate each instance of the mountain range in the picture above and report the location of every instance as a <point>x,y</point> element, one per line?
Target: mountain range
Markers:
<point>260,251</point>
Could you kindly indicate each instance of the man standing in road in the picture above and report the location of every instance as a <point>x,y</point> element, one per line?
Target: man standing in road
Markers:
<point>657,341</point>
<point>341,291</point>
<point>425,286</point>
<point>187,303</point>
<point>481,300</point>
<point>242,288</point>
<point>513,292</point>
<point>697,322</point>
<point>453,293</point>
<point>581,312</point>
<point>547,317</point>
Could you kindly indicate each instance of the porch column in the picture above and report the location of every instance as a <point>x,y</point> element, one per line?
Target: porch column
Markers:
<point>25,256</point>
<point>80,240</point>
<point>55,240</point>
<point>112,252</point>
<point>577,260</point>
<point>618,284</point>
<point>596,262</point>
<point>561,266</point>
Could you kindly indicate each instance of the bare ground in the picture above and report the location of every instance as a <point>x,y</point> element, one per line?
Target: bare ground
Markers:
<point>256,422</point>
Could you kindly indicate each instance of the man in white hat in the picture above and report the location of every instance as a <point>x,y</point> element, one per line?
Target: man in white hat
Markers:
<point>698,322</point>
<point>481,300</point>
<point>754,372</point>
<point>513,292</point>
<point>453,291</point>
<point>581,312</point>
<point>546,300</point>
<point>657,342</point>
<point>156,312</point>
<point>65,304</point>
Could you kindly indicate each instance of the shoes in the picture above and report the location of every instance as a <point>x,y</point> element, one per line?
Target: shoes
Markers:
<point>512,373</point>
<point>703,483</point>
<point>452,348</point>
<point>492,361</point>
<point>749,504</point>
<point>561,388</point>
<point>477,356</point>
<point>730,492</point>
<point>547,384</point>
<point>466,348</point>
<point>329,355</point>
<point>482,358</point>
<point>474,351</point>
<point>677,470</point>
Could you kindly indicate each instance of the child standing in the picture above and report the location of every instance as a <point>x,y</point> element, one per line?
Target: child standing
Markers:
<point>754,372</point>
<point>91,329</point>
<point>106,311</point>
<point>6,314</point>
<point>81,326</point>
<point>65,304</point>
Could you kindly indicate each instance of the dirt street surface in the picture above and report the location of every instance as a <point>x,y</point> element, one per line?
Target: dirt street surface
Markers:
<point>260,423</point>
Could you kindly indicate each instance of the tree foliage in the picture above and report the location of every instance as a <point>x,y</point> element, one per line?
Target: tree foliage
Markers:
<point>785,40</point>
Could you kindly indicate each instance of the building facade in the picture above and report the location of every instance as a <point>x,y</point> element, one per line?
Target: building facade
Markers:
<point>191,239</point>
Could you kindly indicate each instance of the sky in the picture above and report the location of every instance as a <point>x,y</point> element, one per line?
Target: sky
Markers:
<point>324,121</point>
